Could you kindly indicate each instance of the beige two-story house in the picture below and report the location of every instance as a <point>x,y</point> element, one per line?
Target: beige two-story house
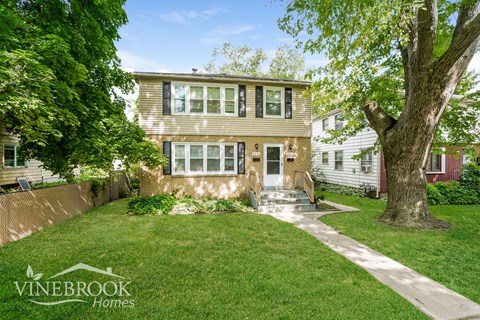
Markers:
<point>218,130</point>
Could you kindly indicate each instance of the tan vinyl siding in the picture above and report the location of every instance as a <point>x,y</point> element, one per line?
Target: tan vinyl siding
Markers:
<point>155,123</point>
<point>33,172</point>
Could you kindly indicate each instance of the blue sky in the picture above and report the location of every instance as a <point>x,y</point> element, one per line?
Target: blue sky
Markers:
<point>177,36</point>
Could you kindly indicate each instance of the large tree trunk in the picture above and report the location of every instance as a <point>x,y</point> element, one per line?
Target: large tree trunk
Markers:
<point>407,204</point>
<point>429,85</point>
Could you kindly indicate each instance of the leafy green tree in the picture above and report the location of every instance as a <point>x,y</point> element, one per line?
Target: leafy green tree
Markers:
<point>58,71</point>
<point>376,49</point>
<point>287,63</point>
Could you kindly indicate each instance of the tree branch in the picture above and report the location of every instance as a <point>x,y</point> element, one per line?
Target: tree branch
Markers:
<point>406,69</point>
<point>466,33</point>
<point>380,121</point>
<point>426,32</point>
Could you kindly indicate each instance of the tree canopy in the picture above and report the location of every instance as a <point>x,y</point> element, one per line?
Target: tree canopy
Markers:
<point>58,71</point>
<point>395,66</point>
<point>366,43</point>
<point>286,62</point>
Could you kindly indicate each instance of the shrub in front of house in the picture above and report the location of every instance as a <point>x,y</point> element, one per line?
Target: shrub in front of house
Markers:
<point>160,204</point>
<point>470,177</point>
<point>336,188</point>
<point>465,191</point>
<point>163,204</point>
<point>451,192</point>
<point>434,196</point>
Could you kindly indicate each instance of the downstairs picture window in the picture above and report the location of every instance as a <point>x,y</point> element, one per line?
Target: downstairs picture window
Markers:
<point>204,158</point>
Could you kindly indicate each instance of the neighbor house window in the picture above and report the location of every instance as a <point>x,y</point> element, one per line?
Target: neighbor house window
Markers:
<point>11,158</point>
<point>338,160</point>
<point>210,99</point>
<point>273,102</point>
<point>325,124</point>
<point>366,161</point>
<point>338,122</point>
<point>325,158</point>
<point>204,158</point>
<point>434,163</point>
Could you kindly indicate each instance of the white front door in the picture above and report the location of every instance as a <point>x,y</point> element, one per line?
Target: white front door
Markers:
<point>273,165</point>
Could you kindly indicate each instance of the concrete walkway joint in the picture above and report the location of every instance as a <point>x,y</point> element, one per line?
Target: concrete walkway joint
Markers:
<point>430,297</point>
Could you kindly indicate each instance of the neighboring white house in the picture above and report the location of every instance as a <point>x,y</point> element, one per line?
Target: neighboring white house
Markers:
<point>333,162</point>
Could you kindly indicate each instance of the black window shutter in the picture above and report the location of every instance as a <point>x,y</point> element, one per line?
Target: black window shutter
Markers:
<point>288,103</point>
<point>259,102</point>
<point>242,101</point>
<point>167,151</point>
<point>167,101</point>
<point>241,157</point>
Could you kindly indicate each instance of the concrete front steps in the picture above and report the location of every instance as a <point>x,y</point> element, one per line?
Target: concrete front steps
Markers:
<point>273,201</point>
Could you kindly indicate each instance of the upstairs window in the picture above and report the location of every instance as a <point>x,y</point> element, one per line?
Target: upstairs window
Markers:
<point>325,124</point>
<point>338,122</point>
<point>274,102</point>
<point>11,158</point>
<point>180,98</point>
<point>196,99</point>
<point>209,99</point>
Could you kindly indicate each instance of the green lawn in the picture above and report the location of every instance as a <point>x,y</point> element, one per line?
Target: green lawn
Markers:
<point>218,266</point>
<point>451,258</point>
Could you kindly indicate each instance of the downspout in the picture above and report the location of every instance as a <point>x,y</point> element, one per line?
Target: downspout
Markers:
<point>379,173</point>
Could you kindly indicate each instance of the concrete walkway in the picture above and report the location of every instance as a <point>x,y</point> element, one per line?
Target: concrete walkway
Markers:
<point>430,297</point>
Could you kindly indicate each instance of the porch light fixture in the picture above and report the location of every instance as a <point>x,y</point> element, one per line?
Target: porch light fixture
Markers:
<point>256,146</point>
<point>290,147</point>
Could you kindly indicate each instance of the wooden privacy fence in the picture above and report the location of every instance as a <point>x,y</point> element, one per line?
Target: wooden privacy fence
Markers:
<point>23,213</point>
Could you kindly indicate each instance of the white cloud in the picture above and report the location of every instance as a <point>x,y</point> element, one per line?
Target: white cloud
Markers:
<point>132,62</point>
<point>284,40</point>
<point>218,34</point>
<point>186,17</point>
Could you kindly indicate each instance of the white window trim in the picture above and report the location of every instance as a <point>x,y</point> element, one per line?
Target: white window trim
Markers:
<point>371,165</point>
<point>328,156</point>
<point>323,124</point>
<point>282,101</point>
<point>338,122</point>
<point>205,86</point>
<point>222,171</point>
<point>443,158</point>
<point>335,160</point>
<point>15,156</point>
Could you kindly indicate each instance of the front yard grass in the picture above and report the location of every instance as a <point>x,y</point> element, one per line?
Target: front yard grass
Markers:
<point>449,257</point>
<point>217,266</point>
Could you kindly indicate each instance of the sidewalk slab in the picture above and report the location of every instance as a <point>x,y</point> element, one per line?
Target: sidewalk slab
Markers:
<point>430,297</point>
